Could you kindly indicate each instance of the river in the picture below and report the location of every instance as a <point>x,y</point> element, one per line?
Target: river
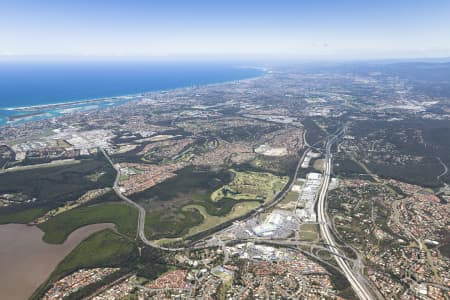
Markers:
<point>26,261</point>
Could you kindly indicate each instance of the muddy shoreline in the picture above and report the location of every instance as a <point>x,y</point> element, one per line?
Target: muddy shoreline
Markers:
<point>26,260</point>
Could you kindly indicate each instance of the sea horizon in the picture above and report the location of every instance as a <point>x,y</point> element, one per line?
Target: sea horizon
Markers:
<point>32,87</point>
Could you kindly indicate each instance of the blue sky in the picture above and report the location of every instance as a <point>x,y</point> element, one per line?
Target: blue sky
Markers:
<point>190,28</point>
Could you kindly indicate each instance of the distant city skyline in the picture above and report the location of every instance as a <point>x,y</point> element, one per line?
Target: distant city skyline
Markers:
<point>222,29</point>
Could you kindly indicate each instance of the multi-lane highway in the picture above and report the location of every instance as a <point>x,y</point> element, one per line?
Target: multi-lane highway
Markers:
<point>356,280</point>
<point>141,217</point>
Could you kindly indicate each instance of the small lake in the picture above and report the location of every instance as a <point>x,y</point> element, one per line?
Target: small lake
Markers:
<point>26,261</point>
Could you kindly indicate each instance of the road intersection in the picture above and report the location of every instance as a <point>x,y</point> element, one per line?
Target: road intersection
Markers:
<point>355,279</point>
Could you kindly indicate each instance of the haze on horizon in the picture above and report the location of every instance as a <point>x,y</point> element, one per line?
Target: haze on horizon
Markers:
<point>175,28</point>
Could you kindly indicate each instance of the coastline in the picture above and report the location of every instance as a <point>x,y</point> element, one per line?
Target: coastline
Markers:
<point>263,71</point>
<point>25,114</point>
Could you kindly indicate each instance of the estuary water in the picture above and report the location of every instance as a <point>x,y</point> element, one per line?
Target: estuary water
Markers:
<point>26,260</point>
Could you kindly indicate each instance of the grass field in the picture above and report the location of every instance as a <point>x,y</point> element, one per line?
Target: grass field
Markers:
<point>23,217</point>
<point>277,165</point>
<point>309,232</point>
<point>319,164</point>
<point>289,201</point>
<point>52,164</point>
<point>171,223</point>
<point>87,197</point>
<point>291,197</point>
<point>163,203</point>
<point>196,148</point>
<point>102,249</point>
<point>58,228</point>
<point>209,221</point>
<point>250,186</point>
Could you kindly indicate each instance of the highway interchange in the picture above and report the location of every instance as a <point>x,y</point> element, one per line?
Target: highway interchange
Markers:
<point>355,278</point>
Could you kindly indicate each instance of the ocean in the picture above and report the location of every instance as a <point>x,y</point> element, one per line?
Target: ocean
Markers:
<point>24,84</point>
